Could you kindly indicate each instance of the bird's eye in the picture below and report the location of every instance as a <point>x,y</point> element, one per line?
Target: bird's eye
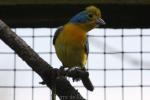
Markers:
<point>90,15</point>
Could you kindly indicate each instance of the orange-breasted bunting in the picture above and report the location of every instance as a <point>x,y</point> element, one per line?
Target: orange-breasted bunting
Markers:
<point>70,40</point>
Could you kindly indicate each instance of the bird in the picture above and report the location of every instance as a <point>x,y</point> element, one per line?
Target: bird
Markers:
<point>70,40</point>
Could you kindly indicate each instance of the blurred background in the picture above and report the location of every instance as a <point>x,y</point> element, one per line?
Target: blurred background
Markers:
<point>119,55</point>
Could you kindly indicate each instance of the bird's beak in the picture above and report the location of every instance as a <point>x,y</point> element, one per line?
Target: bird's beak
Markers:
<point>100,21</point>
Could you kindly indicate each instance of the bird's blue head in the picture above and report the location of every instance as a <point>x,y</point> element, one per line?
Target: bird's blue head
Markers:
<point>91,15</point>
<point>81,17</point>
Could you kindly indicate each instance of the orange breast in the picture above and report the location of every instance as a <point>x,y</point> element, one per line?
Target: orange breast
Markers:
<point>70,47</point>
<point>74,34</point>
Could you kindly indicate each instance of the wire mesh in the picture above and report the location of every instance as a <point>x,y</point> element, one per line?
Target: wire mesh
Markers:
<point>118,64</point>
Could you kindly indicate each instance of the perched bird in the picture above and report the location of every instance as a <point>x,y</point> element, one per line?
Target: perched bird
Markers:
<point>70,40</point>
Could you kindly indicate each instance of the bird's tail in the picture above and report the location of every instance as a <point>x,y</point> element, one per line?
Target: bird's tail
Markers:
<point>87,83</point>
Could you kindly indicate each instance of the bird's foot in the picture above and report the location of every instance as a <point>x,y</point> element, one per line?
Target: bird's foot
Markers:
<point>75,70</point>
<point>62,71</point>
<point>62,68</point>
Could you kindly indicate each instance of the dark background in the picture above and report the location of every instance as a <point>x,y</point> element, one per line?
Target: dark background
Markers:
<point>116,15</point>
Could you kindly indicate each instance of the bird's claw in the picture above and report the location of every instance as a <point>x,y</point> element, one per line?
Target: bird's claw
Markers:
<point>76,79</point>
<point>75,70</point>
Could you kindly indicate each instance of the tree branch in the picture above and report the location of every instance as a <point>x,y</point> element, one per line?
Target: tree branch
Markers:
<point>49,75</point>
